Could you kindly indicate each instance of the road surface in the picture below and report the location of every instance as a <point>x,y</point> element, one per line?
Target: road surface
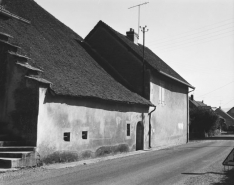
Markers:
<point>168,166</point>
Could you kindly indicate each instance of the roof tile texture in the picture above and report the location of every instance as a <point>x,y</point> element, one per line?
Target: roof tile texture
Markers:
<point>52,47</point>
<point>150,57</point>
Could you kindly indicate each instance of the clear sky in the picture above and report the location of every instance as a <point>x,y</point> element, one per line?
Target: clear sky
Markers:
<point>194,37</point>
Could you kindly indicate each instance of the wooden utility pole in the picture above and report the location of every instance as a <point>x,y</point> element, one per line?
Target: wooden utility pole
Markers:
<point>143,59</point>
<point>139,7</point>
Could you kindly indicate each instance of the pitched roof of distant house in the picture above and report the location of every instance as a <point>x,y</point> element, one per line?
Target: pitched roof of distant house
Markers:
<point>222,113</point>
<point>231,112</point>
<point>198,103</point>
<point>57,51</point>
<point>151,58</point>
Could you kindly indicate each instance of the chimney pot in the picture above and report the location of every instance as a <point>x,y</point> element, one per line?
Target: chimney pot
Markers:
<point>192,97</point>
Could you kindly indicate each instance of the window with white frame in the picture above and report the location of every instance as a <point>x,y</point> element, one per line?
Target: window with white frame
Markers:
<point>161,93</point>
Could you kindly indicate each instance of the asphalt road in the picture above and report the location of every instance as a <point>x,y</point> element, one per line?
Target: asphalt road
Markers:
<point>168,166</point>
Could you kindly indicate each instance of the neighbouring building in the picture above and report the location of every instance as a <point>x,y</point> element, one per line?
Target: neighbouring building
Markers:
<point>56,100</point>
<point>121,56</point>
<point>231,112</point>
<point>195,104</point>
<point>229,121</point>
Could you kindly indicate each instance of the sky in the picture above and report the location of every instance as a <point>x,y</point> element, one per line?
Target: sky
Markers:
<point>194,37</point>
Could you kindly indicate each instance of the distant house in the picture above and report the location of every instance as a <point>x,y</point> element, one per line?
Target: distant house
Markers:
<point>121,56</point>
<point>195,130</point>
<point>228,119</point>
<point>195,104</point>
<point>57,101</point>
<point>231,112</point>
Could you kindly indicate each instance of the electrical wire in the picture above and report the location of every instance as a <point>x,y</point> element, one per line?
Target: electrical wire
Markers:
<point>184,33</point>
<point>216,89</point>
<point>187,41</point>
<point>176,38</point>
<point>161,45</point>
<point>229,101</point>
<point>192,43</point>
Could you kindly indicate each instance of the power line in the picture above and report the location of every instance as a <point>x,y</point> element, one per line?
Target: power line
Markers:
<point>184,42</point>
<point>184,33</point>
<point>198,69</point>
<point>215,89</point>
<point>191,44</point>
<point>229,101</point>
<point>175,38</point>
<point>209,33</point>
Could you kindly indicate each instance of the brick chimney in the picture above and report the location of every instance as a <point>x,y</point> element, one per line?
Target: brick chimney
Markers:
<point>132,36</point>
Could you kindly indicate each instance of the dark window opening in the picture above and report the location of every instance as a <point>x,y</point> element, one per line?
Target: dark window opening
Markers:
<point>84,134</point>
<point>66,136</point>
<point>128,129</point>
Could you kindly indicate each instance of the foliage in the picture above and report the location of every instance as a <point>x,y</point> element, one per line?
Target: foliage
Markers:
<point>203,120</point>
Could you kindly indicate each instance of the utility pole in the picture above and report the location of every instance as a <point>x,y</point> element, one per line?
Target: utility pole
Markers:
<point>139,7</point>
<point>143,59</point>
<point>143,29</point>
<point>220,103</point>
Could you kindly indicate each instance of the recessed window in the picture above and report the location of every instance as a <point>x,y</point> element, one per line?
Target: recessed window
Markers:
<point>84,134</point>
<point>161,93</point>
<point>128,129</point>
<point>66,136</point>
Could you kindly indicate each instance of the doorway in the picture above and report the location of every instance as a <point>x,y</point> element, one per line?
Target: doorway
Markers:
<point>140,136</point>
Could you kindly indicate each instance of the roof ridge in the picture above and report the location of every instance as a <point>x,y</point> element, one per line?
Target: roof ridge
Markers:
<point>140,56</point>
<point>226,113</point>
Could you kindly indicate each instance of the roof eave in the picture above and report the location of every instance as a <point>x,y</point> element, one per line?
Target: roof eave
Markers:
<point>169,76</point>
<point>28,67</point>
<point>41,80</point>
<point>147,102</point>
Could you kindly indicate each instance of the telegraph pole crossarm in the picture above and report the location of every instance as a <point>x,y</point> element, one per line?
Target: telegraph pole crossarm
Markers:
<point>139,5</point>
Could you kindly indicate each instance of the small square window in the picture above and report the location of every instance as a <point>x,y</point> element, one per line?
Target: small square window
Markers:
<point>66,136</point>
<point>84,134</point>
<point>128,129</point>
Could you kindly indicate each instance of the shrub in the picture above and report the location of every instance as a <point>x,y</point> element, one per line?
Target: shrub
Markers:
<point>203,121</point>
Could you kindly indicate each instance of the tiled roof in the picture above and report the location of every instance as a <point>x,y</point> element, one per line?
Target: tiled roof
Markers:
<point>198,103</point>
<point>53,47</point>
<point>26,65</point>
<point>150,57</point>
<point>231,112</point>
<point>224,114</point>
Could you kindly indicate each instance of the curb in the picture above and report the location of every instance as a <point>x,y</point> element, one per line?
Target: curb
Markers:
<point>96,160</point>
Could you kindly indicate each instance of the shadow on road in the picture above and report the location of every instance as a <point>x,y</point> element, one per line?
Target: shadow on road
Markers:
<point>228,133</point>
<point>228,177</point>
<point>223,136</point>
<point>219,138</point>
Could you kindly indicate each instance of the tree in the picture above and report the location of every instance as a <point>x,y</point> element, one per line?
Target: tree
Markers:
<point>203,120</point>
